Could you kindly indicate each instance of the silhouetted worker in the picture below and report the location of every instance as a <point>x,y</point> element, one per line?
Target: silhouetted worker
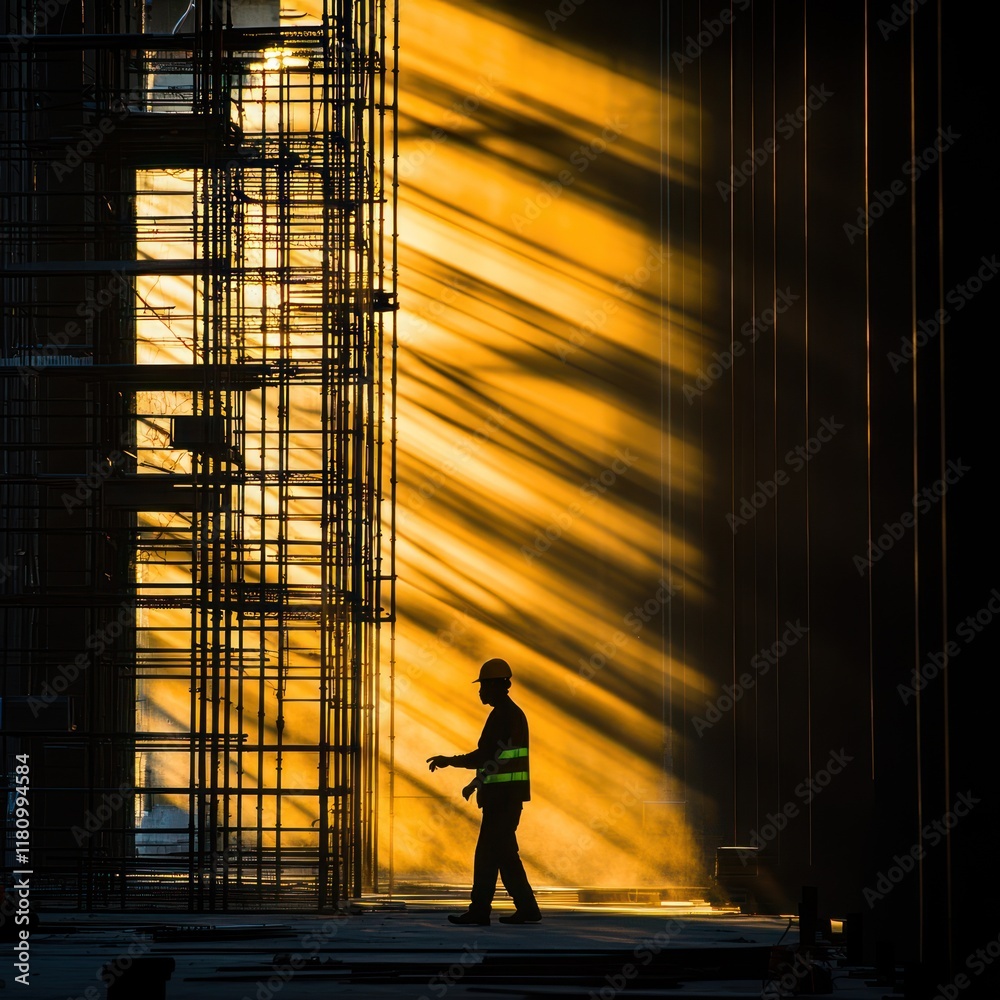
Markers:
<point>502,787</point>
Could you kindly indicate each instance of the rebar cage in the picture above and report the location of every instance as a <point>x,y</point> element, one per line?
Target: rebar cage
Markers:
<point>198,298</point>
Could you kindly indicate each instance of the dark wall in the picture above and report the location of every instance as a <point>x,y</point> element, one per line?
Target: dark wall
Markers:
<point>845,221</point>
<point>68,702</point>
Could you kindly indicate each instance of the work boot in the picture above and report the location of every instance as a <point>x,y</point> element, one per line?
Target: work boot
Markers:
<point>522,917</point>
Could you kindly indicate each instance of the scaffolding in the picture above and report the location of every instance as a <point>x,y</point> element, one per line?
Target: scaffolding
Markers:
<point>198,302</point>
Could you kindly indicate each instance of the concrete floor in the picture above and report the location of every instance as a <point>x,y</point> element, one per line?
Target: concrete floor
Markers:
<point>404,948</point>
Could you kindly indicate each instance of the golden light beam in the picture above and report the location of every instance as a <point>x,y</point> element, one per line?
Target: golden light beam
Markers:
<point>531,445</point>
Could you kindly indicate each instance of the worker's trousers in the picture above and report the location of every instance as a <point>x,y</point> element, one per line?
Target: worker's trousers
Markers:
<point>496,852</point>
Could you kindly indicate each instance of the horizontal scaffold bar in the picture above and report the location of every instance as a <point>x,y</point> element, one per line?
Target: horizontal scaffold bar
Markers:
<point>251,40</point>
<point>184,265</point>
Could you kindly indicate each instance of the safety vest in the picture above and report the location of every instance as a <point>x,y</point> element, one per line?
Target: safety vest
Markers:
<point>509,765</point>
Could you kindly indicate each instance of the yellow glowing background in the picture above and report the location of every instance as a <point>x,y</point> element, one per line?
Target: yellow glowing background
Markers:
<point>534,456</point>
<point>532,334</point>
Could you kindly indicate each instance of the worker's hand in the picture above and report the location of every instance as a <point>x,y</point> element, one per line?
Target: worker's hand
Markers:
<point>469,789</point>
<point>438,761</point>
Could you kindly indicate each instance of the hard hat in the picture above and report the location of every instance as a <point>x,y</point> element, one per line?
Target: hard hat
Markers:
<point>492,669</point>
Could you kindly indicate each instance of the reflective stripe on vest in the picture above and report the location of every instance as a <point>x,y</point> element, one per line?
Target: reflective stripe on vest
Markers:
<point>508,766</point>
<point>489,779</point>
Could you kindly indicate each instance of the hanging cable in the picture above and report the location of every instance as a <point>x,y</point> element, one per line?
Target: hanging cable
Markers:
<point>701,323</point>
<point>915,482</point>
<point>774,391</point>
<point>868,416</point>
<point>732,421</point>
<point>805,241</point>
<point>665,736</point>
<point>946,708</point>
<point>183,17</point>
<point>666,760</point>
<point>753,391</point>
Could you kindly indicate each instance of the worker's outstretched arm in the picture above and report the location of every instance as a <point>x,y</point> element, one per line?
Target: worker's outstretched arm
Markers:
<point>474,759</point>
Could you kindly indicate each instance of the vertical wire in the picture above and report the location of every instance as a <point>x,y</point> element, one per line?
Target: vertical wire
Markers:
<point>701,325</point>
<point>946,713</point>
<point>868,421</point>
<point>394,447</point>
<point>666,632</point>
<point>684,428</point>
<point>805,213</point>
<point>774,379</point>
<point>732,416</point>
<point>915,483</point>
<point>753,391</point>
